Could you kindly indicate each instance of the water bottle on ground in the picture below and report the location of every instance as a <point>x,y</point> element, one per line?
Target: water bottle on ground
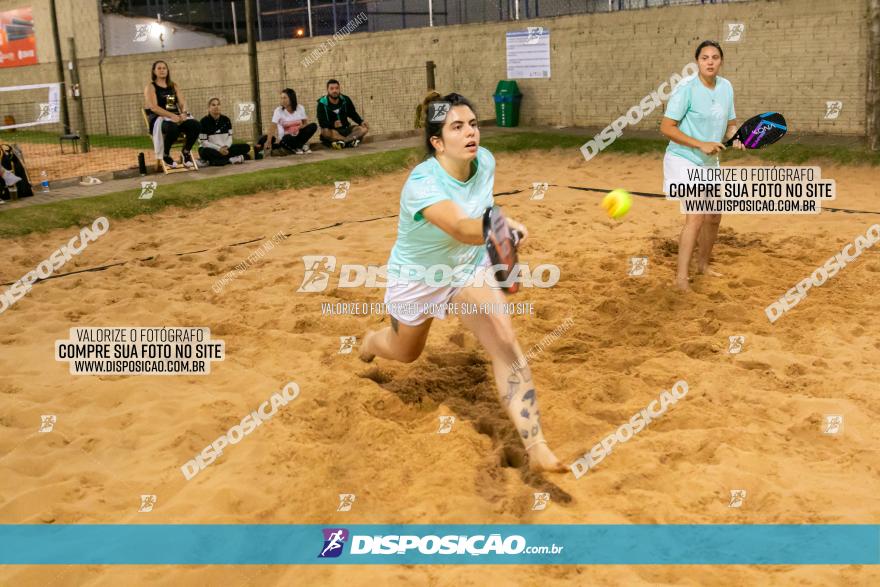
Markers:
<point>44,181</point>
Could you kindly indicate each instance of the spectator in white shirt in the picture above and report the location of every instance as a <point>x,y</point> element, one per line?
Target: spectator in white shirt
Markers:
<point>291,130</point>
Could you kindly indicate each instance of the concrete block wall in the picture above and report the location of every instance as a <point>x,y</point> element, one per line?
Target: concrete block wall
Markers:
<point>795,55</point>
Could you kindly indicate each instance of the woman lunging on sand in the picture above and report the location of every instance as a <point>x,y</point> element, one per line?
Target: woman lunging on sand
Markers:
<point>698,112</point>
<point>441,210</point>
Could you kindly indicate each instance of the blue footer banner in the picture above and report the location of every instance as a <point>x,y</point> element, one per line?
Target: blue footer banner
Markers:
<point>261,544</point>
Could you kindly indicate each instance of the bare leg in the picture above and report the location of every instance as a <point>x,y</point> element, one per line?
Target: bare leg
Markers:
<point>329,133</point>
<point>397,342</point>
<point>513,379</point>
<point>357,132</point>
<point>708,234</point>
<point>686,243</point>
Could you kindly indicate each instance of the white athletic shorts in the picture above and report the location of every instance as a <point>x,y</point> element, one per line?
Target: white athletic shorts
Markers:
<point>414,302</point>
<point>675,170</point>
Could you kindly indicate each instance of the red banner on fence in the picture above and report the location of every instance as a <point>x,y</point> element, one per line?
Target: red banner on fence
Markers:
<point>18,45</point>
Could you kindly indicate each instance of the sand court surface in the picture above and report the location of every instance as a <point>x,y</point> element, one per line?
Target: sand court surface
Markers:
<point>751,421</point>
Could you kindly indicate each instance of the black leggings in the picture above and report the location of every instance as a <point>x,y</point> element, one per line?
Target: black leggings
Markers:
<point>292,143</point>
<point>213,156</point>
<point>171,131</point>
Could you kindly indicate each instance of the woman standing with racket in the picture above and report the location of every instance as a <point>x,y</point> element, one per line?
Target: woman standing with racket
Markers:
<point>441,223</point>
<point>698,117</point>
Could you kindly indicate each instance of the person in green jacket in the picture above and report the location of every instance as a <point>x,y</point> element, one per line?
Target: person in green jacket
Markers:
<point>334,111</point>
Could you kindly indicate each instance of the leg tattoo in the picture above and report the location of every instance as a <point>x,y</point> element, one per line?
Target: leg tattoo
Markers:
<point>512,387</point>
<point>522,407</point>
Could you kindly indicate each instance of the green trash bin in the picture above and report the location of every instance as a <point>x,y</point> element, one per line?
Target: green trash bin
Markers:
<point>507,102</point>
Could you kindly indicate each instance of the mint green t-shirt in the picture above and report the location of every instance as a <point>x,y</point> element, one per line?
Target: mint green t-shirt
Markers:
<point>702,114</point>
<point>421,243</point>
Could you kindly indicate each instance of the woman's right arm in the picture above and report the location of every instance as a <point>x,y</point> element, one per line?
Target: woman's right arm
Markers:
<point>451,219</point>
<point>669,129</point>
<point>153,105</point>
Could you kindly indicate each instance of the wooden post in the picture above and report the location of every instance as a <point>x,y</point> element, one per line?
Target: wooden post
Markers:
<point>429,66</point>
<point>78,100</point>
<point>872,109</point>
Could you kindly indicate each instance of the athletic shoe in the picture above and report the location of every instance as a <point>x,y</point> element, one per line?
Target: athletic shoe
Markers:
<point>298,152</point>
<point>338,145</point>
<point>236,159</point>
<point>186,159</point>
<point>354,143</point>
<point>306,148</point>
<point>169,161</point>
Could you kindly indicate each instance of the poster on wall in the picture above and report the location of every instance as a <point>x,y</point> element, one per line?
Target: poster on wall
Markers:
<point>528,53</point>
<point>18,45</point>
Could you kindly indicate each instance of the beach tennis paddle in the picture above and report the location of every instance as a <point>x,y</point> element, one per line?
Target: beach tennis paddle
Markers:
<point>760,131</point>
<point>501,242</point>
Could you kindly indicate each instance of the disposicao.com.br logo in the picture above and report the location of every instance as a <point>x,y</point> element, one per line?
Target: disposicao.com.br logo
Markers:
<point>320,268</point>
<point>409,544</point>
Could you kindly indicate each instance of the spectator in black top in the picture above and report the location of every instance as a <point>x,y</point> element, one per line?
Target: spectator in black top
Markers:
<point>165,103</point>
<point>217,147</point>
<point>334,110</point>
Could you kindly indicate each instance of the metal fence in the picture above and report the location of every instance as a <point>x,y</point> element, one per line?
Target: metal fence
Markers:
<point>285,19</point>
<point>117,131</point>
<point>396,14</point>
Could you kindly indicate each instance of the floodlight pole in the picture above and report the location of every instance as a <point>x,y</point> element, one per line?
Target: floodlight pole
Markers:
<point>234,23</point>
<point>253,66</point>
<point>65,117</point>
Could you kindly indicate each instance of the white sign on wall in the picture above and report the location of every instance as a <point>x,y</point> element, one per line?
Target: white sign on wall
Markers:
<point>528,53</point>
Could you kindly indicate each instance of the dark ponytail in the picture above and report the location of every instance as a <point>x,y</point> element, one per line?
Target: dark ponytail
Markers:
<point>291,96</point>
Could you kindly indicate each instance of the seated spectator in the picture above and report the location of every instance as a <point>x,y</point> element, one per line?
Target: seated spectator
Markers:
<point>216,138</point>
<point>291,130</point>
<point>334,110</point>
<point>165,104</point>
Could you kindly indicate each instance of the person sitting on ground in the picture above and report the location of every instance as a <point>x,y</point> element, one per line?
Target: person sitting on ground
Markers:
<point>164,102</point>
<point>9,178</point>
<point>291,130</point>
<point>334,110</point>
<point>217,147</point>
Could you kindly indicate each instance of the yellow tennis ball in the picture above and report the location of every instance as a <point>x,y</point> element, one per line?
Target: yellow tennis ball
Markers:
<point>617,203</point>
